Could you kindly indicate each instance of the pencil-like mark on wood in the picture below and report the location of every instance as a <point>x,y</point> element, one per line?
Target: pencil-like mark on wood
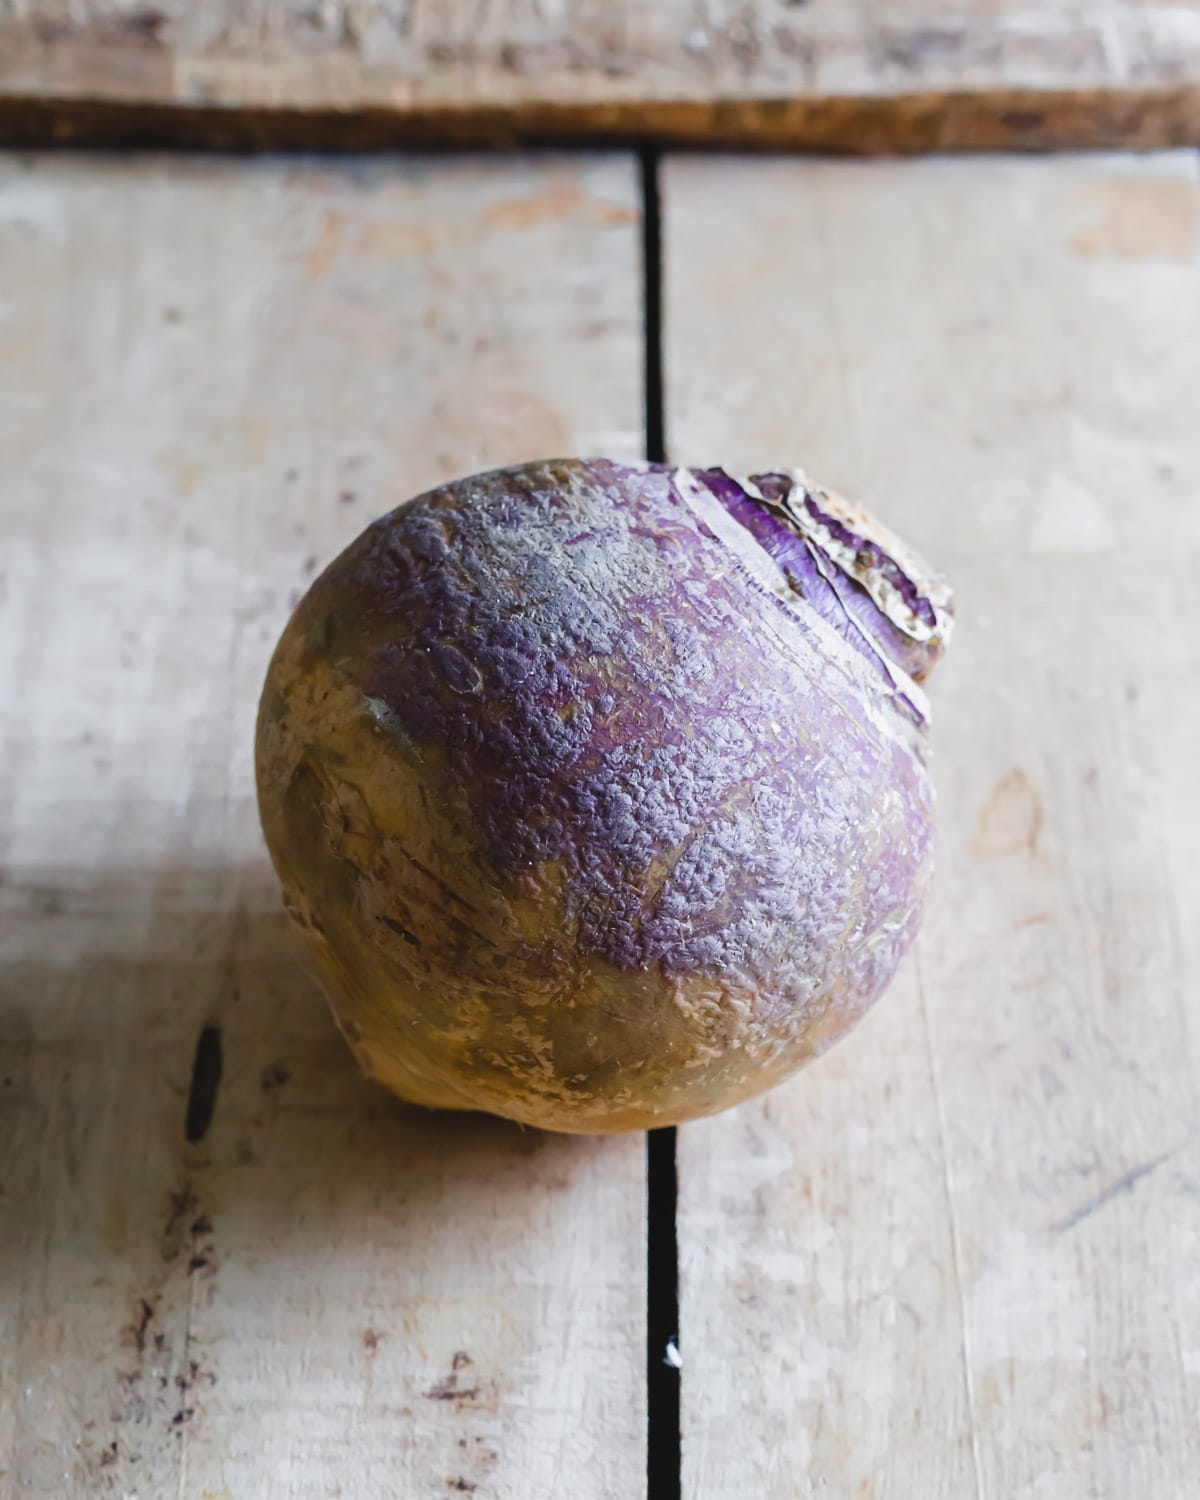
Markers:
<point>1123,1184</point>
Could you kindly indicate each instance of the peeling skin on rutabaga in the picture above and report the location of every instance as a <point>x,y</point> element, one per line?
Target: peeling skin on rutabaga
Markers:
<point>597,791</point>
<point>771,577</point>
<point>805,505</point>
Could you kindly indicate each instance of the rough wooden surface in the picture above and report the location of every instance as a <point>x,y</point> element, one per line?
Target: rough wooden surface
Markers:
<point>957,1257</point>
<point>211,375</point>
<point>898,75</point>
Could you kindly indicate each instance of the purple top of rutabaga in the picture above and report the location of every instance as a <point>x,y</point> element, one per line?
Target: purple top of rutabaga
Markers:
<point>859,578</point>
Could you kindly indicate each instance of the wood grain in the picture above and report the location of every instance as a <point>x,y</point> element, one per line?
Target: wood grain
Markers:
<point>898,75</point>
<point>211,377</point>
<point>956,1258</point>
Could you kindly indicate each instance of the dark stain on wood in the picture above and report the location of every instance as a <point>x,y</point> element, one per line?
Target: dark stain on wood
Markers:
<point>135,1333</point>
<point>274,1076</point>
<point>206,1080</point>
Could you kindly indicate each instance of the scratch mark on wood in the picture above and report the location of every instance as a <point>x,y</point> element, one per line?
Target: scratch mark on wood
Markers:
<point>955,1236</point>
<point>1123,1184</point>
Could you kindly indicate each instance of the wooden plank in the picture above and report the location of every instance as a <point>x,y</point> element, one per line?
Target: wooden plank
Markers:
<point>957,1256</point>
<point>897,75</point>
<point>211,376</point>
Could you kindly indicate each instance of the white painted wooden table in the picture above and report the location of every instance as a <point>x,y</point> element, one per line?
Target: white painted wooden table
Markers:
<point>214,373</point>
<point>957,1257</point>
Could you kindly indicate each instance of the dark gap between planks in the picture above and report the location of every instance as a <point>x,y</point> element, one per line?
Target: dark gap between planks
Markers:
<point>662,1251</point>
<point>663,1446</point>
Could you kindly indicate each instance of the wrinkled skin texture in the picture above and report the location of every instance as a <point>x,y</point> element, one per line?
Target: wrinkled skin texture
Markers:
<point>585,823</point>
